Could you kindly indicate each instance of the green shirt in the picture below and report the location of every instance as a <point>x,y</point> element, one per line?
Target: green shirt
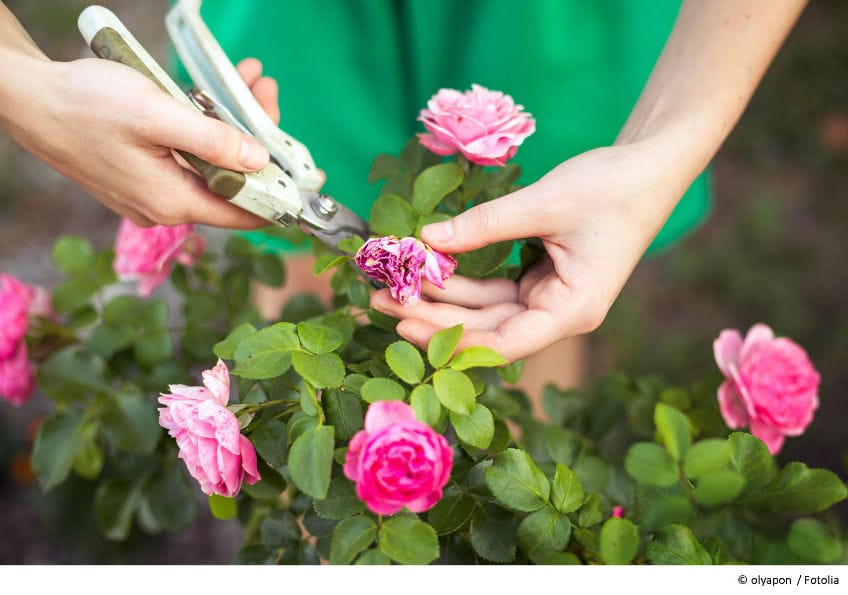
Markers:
<point>354,75</point>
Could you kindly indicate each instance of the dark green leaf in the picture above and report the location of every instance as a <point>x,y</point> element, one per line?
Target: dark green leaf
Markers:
<point>673,429</point>
<point>382,389</point>
<point>341,501</point>
<point>649,464</point>
<point>267,353</point>
<point>115,503</point>
<point>562,445</point>
<point>319,338</point>
<point>718,487</point>
<point>433,184</point>
<point>677,545</point>
<point>279,529</point>
<point>407,540</point>
<point>811,540</point>
<point>477,357</point>
<point>405,361</point>
<point>517,482</point>
<point>706,456</point>
<point>619,541</point>
<point>170,497</point>
<point>797,489</point>
<point>269,439</point>
<point>107,339</point>
<point>71,374</point>
<point>344,412</point>
<point>442,345</point>
<point>392,216</point>
<point>566,490</point>
<point>302,307</point>
<point>57,443</point>
<point>223,508</point>
<point>476,429</point>
<point>152,348</point>
<point>226,349</point>
<point>268,269</point>
<point>493,534</point>
<point>311,460</point>
<point>543,533</point>
<point>752,460</point>
<point>325,370</point>
<point>350,537</point>
<point>131,421</point>
<point>455,391</point>
<point>591,512</point>
<point>483,261</point>
<point>452,511</point>
<point>426,405</point>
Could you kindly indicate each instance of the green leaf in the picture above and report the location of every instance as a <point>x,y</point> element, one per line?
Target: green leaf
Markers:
<point>359,294</point>
<point>341,501</point>
<point>131,421</point>
<point>442,345</point>
<point>269,439</point>
<point>170,497</point>
<point>280,529</point>
<point>619,541</point>
<point>676,544</point>
<point>405,361</point>
<point>517,482</point>
<point>311,461</point>
<point>89,460</point>
<point>115,503</point>
<point>433,184</point>
<point>452,511</point>
<point>667,509</point>
<point>373,557</point>
<point>226,349</point>
<point>223,508</point>
<point>543,533</point>
<point>511,373</point>
<point>455,391</point>
<point>73,255</point>
<point>797,489</point>
<point>476,429</point>
<point>718,487</point>
<point>267,353</point>
<point>706,456</point>
<point>344,412</point>
<point>407,540</point>
<point>483,261</point>
<point>107,339</point>
<point>382,389</point>
<point>649,464</point>
<point>71,374</point>
<point>268,269</point>
<point>493,534</point>
<point>392,216</point>
<point>325,370</point>
<point>591,512</point>
<point>752,460</point>
<point>426,405</point>
<point>302,307</point>
<point>673,429</point>
<point>563,446</point>
<point>384,166</point>
<point>477,357</point>
<point>351,245</point>
<point>319,338</point>
<point>566,490</point>
<point>153,348</point>
<point>350,537</point>
<point>811,541</point>
<point>57,443</point>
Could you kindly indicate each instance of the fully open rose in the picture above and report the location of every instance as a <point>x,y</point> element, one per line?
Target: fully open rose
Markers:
<point>770,385</point>
<point>208,434</point>
<point>485,126</point>
<point>398,462</point>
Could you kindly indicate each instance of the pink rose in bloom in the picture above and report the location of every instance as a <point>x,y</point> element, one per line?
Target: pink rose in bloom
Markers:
<point>485,126</point>
<point>17,376</point>
<point>208,434</point>
<point>15,300</point>
<point>400,264</point>
<point>398,462</point>
<point>770,385</point>
<point>146,254</point>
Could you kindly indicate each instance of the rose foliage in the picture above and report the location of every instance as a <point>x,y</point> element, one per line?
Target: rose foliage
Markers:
<point>339,441</point>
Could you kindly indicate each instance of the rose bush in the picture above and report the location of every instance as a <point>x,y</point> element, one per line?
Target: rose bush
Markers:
<point>369,450</point>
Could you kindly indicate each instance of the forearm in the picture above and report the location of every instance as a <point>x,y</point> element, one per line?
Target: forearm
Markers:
<point>711,64</point>
<point>19,56</point>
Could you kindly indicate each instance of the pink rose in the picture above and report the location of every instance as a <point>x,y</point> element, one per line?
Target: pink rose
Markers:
<point>770,385</point>
<point>400,264</point>
<point>147,254</point>
<point>617,512</point>
<point>17,376</point>
<point>396,461</point>
<point>208,434</point>
<point>15,300</point>
<point>485,126</point>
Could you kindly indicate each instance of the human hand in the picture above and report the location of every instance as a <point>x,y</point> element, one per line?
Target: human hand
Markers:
<point>596,215</point>
<point>112,131</point>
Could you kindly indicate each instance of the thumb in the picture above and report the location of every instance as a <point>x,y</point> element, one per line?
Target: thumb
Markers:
<point>511,217</point>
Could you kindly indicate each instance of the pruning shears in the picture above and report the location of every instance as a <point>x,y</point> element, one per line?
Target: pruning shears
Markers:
<point>287,190</point>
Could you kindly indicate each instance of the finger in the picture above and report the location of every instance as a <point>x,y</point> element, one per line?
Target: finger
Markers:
<point>171,124</point>
<point>472,293</point>
<point>512,217</point>
<point>250,70</point>
<point>266,92</point>
<point>446,315</point>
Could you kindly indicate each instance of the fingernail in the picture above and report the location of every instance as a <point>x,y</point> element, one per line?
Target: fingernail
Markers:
<point>439,232</point>
<point>253,155</point>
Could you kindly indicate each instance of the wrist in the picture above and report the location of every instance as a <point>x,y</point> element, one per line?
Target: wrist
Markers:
<point>24,78</point>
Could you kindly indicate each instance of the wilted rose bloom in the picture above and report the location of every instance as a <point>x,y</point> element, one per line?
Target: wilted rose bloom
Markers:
<point>397,462</point>
<point>17,377</point>
<point>485,126</point>
<point>146,254</point>
<point>208,434</point>
<point>770,385</point>
<point>400,264</point>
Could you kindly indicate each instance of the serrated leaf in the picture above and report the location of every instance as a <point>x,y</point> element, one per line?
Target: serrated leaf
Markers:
<point>566,490</point>
<point>426,405</point>
<point>392,216</point>
<point>718,487</point>
<point>591,512</point>
<point>311,461</point>
<point>341,501</point>
<point>649,464</point>
<point>676,544</point>
<point>476,429</point>
<point>752,460</point>
<point>452,511</point>
<point>269,439</point>
<point>319,338</point>
<point>543,533</point>
<point>267,353</point>
<point>517,482</point>
<point>325,370</point>
<point>226,349</point>
<point>455,391</point>
<point>442,345</point>
<point>405,361</point>
<point>493,534</point>
<point>279,529</point>
<point>131,421</point>
<point>350,537</point>
<point>706,456</point>
<point>344,412</point>
<point>477,357</point>
<point>797,489</point>
<point>673,430</point>
<point>407,540</point>
<point>57,443</point>
<point>619,541</point>
<point>433,184</point>
<point>268,269</point>
<point>483,261</point>
<point>381,389</point>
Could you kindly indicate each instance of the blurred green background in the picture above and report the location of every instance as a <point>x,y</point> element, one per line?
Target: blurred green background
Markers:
<point>773,251</point>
